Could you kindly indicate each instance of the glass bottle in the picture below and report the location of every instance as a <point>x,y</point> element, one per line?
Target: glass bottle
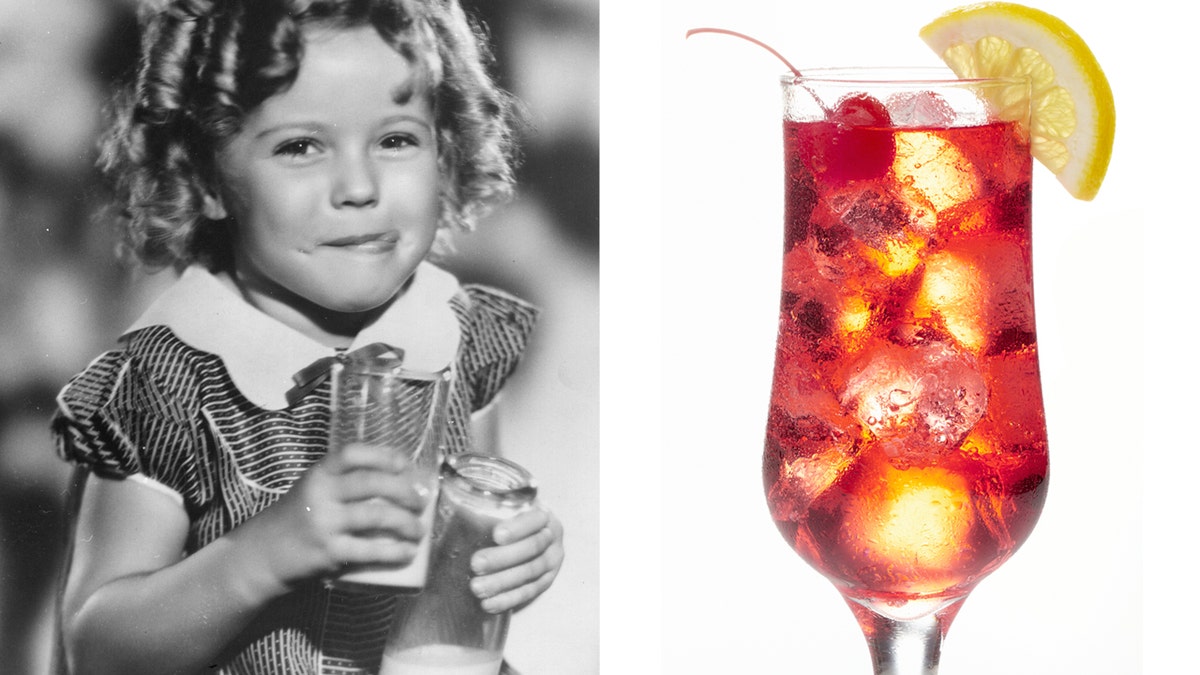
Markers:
<point>444,629</point>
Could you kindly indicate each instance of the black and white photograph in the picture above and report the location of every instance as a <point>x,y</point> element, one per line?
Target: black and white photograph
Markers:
<point>300,340</point>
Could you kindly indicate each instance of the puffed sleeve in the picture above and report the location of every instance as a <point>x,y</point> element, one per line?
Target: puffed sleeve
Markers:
<point>118,421</point>
<point>496,330</point>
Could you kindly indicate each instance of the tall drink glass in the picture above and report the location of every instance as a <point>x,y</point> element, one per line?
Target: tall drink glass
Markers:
<point>377,401</point>
<point>905,454</point>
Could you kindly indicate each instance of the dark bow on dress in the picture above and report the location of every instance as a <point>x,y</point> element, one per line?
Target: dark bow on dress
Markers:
<point>311,376</point>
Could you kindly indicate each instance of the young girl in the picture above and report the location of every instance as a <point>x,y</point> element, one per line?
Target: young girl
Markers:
<point>298,160</point>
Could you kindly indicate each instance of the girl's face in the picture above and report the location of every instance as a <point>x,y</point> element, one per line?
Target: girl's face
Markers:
<point>333,184</point>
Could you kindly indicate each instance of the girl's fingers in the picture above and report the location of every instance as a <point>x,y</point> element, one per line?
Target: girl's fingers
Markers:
<point>382,518</point>
<point>356,551</point>
<point>363,471</point>
<point>521,526</point>
<point>354,456</point>
<point>518,597</point>
<point>513,574</point>
<point>527,563</point>
<point>496,558</point>
<point>399,488</point>
<point>520,539</point>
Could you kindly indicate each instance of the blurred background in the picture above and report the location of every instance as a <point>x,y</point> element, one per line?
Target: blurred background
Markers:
<point>64,298</point>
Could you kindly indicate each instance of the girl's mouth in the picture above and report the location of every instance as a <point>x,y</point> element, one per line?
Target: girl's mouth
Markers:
<point>369,242</point>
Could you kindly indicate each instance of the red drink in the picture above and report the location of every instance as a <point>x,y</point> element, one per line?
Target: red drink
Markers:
<point>905,455</point>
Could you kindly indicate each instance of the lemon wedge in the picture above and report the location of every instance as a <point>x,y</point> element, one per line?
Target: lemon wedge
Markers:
<point>1072,118</point>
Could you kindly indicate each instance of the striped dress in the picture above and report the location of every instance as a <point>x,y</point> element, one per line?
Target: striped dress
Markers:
<point>161,408</point>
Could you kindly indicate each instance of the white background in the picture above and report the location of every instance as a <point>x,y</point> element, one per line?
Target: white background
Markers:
<point>695,578</point>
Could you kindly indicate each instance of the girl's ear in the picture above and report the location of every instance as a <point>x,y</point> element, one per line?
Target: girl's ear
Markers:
<point>214,207</point>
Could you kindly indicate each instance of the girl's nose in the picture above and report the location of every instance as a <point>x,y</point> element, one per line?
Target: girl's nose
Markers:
<point>355,184</point>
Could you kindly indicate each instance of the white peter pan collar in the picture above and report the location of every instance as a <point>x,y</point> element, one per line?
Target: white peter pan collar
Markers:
<point>262,354</point>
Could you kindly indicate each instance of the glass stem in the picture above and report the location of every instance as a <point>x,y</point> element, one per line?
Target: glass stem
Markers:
<point>906,646</point>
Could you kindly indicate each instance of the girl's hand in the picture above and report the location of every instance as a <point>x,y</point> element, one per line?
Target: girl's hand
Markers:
<point>358,506</point>
<point>524,563</point>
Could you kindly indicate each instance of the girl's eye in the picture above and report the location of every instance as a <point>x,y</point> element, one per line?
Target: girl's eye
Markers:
<point>298,147</point>
<point>399,142</point>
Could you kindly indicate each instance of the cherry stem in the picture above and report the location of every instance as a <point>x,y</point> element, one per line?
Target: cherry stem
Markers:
<point>760,43</point>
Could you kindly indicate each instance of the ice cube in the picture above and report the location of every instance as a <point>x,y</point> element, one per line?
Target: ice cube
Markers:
<point>827,300</point>
<point>882,391</point>
<point>874,216</point>
<point>980,288</point>
<point>955,396</point>
<point>935,168</point>
<point>918,524</point>
<point>1001,153</point>
<point>928,395</point>
<point>802,458</point>
<point>800,200</point>
<point>1016,421</point>
<point>853,319</point>
<point>952,290</point>
<point>886,223</point>
<point>1000,211</point>
<point>810,439</point>
<point>806,273</point>
<point>800,388</point>
<point>920,109</point>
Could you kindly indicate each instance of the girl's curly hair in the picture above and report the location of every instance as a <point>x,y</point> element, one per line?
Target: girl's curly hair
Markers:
<point>206,63</point>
